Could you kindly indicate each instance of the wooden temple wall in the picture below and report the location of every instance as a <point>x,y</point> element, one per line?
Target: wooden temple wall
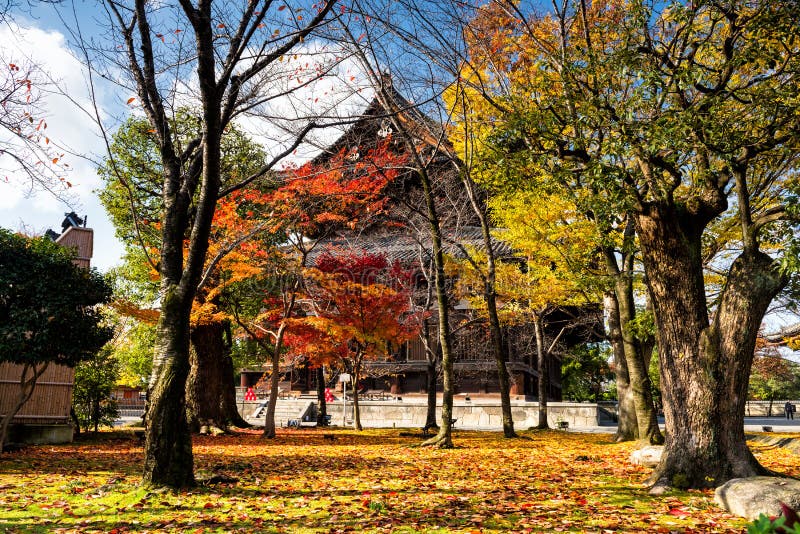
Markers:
<point>51,399</point>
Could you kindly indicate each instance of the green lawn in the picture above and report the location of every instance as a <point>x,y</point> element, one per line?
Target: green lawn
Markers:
<point>374,481</point>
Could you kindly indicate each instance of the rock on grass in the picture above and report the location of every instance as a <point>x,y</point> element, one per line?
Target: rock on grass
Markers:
<point>753,496</point>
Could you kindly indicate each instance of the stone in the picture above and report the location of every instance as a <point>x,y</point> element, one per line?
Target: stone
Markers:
<point>659,489</point>
<point>753,496</point>
<point>648,456</point>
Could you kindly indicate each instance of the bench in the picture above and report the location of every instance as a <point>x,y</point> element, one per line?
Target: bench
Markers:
<point>562,425</point>
<point>375,394</point>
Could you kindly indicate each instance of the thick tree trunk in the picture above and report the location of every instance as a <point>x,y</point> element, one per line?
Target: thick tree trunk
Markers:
<point>637,413</point>
<point>704,367</point>
<point>228,401</point>
<point>627,427</point>
<point>210,389</point>
<point>168,443</point>
<point>541,367</point>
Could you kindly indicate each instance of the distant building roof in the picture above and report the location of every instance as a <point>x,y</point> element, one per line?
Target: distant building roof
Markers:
<point>71,220</point>
<point>375,123</point>
<point>406,248</point>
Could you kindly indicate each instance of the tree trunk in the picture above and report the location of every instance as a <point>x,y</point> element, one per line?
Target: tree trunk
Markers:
<point>75,421</point>
<point>210,389</point>
<point>640,386</point>
<point>228,401</point>
<point>274,378</point>
<point>432,358</point>
<point>431,377</point>
<point>168,443</point>
<point>356,381</point>
<point>275,360</point>
<point>541,367</point>
<point>322,411</point>
<point>627,428</point>
<point>96,415</point>
<point>444,438</point>
<point>704,367</point>
<point>500,356</point>
<point>490,297</point>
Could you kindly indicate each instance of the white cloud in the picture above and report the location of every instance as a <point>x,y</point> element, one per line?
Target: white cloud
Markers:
<point>337,96</point>
<point>315,83</point>
<point>69,129</point>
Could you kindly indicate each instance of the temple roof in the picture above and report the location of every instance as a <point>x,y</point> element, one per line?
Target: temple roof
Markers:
<point>406,247</point>
<point>375,123</point>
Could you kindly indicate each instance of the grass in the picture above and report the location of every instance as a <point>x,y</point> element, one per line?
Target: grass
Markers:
<point>373,481</point>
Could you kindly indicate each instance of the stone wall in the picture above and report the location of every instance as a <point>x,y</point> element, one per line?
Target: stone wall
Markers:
<point>477,414</point>
<point>761,408</point>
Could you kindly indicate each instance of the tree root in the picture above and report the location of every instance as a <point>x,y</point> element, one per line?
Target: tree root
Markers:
<point>213,430</point>
<point>439,441</point>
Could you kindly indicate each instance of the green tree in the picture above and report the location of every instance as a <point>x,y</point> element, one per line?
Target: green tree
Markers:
<point>680,115</point>
<point>48,311</point>
<point>134,354</point>
<point>585,372</point>
<point>135,291</point>
<point>773,377</point>
<point>91,398</point>
<point>131,175</point>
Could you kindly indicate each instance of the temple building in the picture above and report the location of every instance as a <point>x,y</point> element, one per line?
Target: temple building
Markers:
<point>400,233</point>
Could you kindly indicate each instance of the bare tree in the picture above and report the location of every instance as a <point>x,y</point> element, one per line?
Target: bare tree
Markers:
<point>225,58</point>
<point>436,57</point>
<point>28,155</point>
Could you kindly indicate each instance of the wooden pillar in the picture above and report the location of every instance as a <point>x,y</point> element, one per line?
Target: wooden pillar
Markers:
<point>518,384</point>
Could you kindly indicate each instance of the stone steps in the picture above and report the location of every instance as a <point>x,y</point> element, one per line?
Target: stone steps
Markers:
<point>285,410</point>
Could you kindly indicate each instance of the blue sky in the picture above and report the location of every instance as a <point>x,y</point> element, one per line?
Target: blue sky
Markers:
<point>36,35</point>
<point>39,36</point>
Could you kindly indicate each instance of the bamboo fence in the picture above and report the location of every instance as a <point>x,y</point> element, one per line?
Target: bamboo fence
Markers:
<point>51,399</point>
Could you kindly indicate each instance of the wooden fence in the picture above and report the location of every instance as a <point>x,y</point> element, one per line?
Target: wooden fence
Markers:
<point>51,399</point>
<point>52,396</point>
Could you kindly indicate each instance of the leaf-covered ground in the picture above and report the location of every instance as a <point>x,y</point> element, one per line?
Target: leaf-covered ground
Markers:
<point>374,481</point>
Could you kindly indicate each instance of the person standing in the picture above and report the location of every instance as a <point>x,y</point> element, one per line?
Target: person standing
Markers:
<point>787,409</point>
